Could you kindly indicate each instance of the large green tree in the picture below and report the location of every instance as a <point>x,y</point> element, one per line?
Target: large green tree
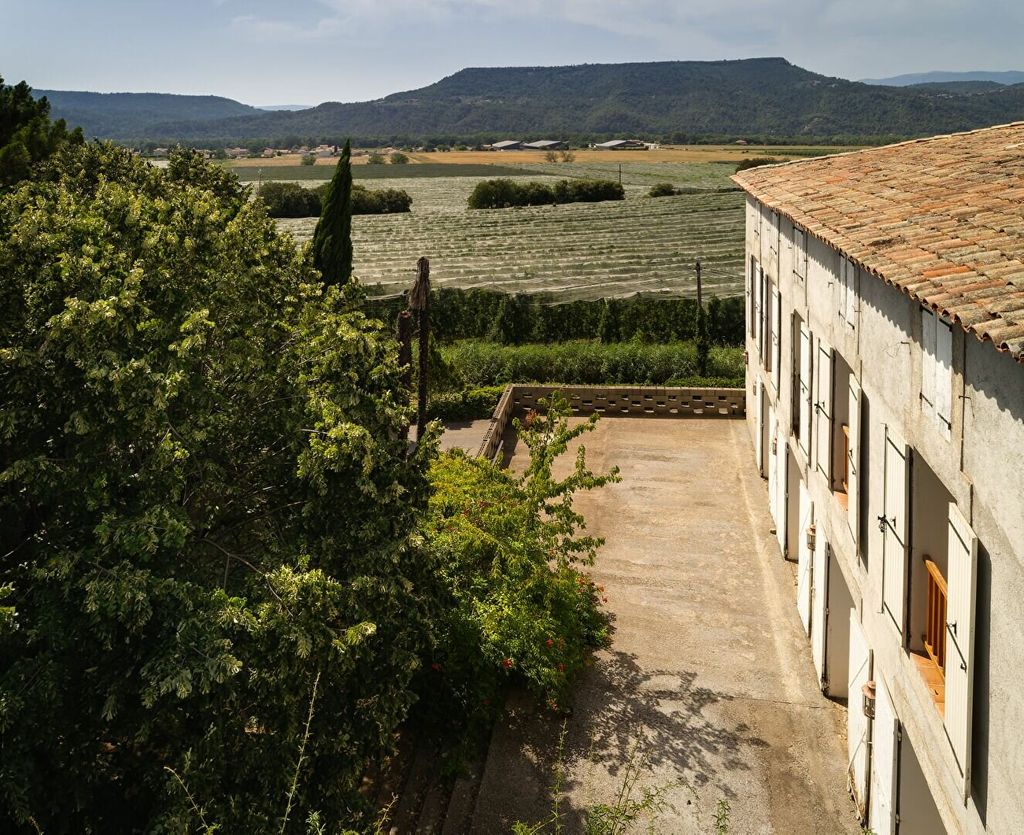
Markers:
<point>332,238</point>
<point>206,510</point>
<point>27,135</point>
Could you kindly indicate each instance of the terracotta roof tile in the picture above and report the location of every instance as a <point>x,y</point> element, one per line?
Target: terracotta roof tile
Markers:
<point>942,219</point>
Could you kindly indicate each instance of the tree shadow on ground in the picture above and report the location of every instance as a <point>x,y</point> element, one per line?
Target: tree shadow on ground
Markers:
<point>623,712</point>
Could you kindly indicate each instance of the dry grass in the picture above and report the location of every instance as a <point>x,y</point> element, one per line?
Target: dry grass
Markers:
<point>677,153</point>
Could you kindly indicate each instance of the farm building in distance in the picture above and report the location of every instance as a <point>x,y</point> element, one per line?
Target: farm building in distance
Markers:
<point>622,145</point>
<point>546,145</point>
<point>507,145</point>
<point>885,391</point>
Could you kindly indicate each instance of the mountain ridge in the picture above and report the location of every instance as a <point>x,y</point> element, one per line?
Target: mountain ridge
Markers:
<point>669,100</point>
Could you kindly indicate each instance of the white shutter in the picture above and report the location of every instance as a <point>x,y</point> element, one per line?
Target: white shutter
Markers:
<point>759,311</point>
<point>857,723</point>
<point>776,338</point>
<point>850,298</point>
<point>895,529</point>
<point>853,464</point>
<point>805,559</point>
<point>799,253</point>
<point>767,318</point>
<point>823,411</point>
<point>805,390</point>
<point>943,374</point>
<point>882,818</point>
<point>963,571</point>
<point>843,288</point>
<point>759,428</point>
<point>927,362</point>
<point>773,470</point>
<point>782,483</point>
<point>819,603</point>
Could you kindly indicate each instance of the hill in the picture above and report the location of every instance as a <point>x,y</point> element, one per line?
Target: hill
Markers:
<point>135,115</point>
<point>673,100</point>
<point>940,77</point>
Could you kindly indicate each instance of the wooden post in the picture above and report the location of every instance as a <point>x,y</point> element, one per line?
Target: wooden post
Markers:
<point>404,334</point>
<point>702,329</point>
<point>420,302</point>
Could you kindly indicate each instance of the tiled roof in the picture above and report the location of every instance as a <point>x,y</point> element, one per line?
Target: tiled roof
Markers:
<point>942,219</point>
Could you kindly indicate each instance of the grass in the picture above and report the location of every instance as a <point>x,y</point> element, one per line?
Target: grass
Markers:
<point>577,251</point>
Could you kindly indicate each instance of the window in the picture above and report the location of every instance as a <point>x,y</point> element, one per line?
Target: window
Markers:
<point>937,370</point>
<point>799,253</point>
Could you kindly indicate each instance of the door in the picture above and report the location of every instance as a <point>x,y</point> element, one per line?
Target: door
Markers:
<point>894,525</point>
<point>819,607</point>
<point>805,559</point>
<point>884,729</point>
<point>858,743</point>
<point>963,569</point>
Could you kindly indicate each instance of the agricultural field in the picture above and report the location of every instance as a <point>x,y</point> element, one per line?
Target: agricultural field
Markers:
<point>577,251</point>
<point>254,171</point>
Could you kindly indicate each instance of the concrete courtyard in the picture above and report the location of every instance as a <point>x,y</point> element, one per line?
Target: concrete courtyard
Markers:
<point>707,688</point>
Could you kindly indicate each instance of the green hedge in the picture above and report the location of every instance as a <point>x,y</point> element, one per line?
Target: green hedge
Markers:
<point>591,363</point>
<point>518,319</point>
<point>503,193</point>
<point>293,200</point>
<point>469,404</point>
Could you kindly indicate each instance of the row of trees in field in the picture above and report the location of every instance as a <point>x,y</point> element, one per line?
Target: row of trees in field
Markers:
<point>226,578</point>
<point>504,193</point>
<point>515,319</point>
<point>293,200</point>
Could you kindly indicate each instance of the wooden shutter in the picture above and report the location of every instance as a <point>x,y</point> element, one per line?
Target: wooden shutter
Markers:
<point>895,529</point>
<point>927,362</point>
<point>759,427</point>
<point>963,572</point>
<point>781,488</point>
<point>819,603</point>
<point>759,311</point>
<point>882,818</point>
<point>943,374</point>
<point>806,403</point>
<point>823,412</point>
<point>858,747</point>
<point>853,464</point>
<point>776,338</point>
<point>805,559</point>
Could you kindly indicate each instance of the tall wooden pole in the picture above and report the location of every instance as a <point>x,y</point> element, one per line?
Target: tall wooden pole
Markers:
<point>404,335</point>
<point>420,302</point>
<point>702,329</point>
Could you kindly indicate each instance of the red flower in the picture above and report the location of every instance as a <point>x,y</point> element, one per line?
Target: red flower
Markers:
<point>549,642</point>
<point>507,663</point>
<point>435,667</point>
<point>553,704</point>
<point>561,668</point>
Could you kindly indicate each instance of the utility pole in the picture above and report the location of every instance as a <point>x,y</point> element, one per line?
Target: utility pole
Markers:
<point>419,301</point>
<point>620,173</point>
<point>700,306</point>
<point>702,329</point>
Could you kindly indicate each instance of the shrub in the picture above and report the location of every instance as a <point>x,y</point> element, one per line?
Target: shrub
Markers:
<point>290,200</point>
<point>757,162</point>
<point>662,190</point>
<point>511,553</point>
<point>468,404</point>
<point>398,158</point>
<point>308,159</point>
<point>375,159</point>
<point>503,193</point>
<point>586,363</point>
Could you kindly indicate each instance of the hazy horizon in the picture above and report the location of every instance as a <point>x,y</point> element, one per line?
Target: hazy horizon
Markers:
<point>312,51</point>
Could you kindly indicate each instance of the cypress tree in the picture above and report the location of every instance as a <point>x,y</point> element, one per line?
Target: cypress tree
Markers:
<point>332,240</point>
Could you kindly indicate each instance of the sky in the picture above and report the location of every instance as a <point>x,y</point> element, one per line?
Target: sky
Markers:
<point>266,52</point>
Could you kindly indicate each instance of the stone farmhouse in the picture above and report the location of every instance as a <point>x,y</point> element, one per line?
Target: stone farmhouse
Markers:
<point>885,399</point>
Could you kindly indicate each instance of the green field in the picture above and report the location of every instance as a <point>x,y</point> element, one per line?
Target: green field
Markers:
<point>252,173</point>
<point>582,250</point>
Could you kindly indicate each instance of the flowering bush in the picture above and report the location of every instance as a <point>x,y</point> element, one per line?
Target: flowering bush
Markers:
<point>512,554</point>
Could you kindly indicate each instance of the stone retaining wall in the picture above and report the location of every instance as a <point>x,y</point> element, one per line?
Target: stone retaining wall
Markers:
<point>614,401</point>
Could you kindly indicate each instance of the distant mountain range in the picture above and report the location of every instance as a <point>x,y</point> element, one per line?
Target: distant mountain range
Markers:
<point>939,77</point>
<point>672,100</point>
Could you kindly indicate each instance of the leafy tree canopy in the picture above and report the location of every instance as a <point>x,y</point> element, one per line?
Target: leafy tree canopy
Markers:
<point>206,506</point>
<point>27,135</point>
